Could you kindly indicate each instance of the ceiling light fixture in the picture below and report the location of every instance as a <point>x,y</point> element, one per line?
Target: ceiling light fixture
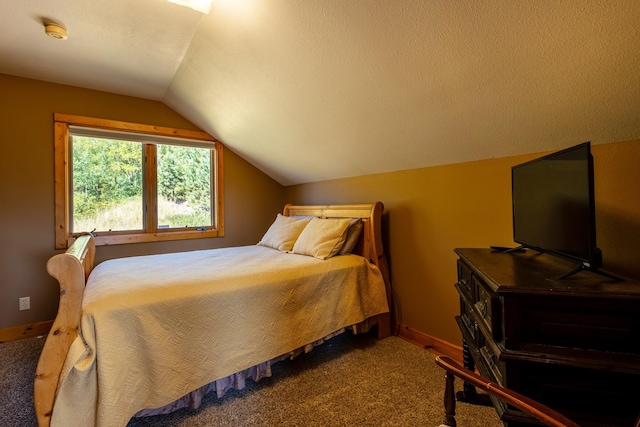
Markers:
<point>55,31</point>
<point>203,6</point>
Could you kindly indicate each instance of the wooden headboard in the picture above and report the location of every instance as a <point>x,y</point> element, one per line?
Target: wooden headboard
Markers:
<point>369,245</point>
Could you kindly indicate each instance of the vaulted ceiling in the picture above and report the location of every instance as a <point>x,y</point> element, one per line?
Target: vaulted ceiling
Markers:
<point>322,89</point>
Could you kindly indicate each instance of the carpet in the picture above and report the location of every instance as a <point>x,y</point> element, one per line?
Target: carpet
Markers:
<point>351,380</point>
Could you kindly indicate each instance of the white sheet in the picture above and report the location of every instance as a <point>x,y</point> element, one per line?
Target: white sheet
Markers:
<point>156,327</point>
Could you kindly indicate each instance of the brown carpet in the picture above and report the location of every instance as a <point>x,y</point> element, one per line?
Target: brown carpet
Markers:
<point>348,381</point>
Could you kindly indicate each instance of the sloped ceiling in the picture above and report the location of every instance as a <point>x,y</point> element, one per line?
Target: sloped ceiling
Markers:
<point>323,89</point>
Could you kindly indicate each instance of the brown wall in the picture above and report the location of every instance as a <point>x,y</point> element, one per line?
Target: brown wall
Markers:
<point>26,189</point>
<point>431,211</point>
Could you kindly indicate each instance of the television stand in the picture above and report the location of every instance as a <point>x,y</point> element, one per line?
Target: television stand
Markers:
<point>582,267</point>
<point>573,345</point>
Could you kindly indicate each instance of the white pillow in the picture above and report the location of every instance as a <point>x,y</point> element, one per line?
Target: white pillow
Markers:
<point>283,233</point>
<point>322,238</point>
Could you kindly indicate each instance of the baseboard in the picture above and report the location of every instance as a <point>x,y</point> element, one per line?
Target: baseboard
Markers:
<point>25,331</point>
<point>431,343</point>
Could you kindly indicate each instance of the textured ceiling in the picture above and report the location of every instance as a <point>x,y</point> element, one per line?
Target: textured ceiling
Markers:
<point>323,89</point>
<point>119,46</point>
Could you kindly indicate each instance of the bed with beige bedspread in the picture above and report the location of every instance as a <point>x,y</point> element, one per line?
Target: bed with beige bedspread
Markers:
<point>154,329</point>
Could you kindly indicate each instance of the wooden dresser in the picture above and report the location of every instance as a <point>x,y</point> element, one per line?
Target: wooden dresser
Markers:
<point>572,344</point>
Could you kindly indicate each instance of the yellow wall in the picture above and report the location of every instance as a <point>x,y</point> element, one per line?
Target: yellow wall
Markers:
<point>431,211</point>
<point>26,189</point>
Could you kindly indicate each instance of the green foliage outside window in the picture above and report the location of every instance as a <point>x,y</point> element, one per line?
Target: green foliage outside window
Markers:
<point>105,173</point>
<point>184,174</point>
<point>184,180</point>
<point>108,185</point>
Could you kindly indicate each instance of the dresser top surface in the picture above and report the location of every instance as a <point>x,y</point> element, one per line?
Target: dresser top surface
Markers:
<point>532,271</point>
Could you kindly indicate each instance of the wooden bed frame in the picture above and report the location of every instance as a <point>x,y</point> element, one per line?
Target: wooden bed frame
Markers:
<point>72,268</point>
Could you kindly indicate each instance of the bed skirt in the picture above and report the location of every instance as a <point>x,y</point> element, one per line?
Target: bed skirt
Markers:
<point>237,381</point>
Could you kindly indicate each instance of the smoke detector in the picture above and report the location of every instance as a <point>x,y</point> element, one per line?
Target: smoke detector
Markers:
<point>56,31</point>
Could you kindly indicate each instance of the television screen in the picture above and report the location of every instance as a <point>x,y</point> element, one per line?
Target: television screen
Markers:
<point>553,205</point>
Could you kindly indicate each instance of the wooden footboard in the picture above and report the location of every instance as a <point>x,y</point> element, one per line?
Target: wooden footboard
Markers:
<point>71,269</point>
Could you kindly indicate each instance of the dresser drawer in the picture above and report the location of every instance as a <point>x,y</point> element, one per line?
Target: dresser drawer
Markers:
<point>490,359</point>
<point>464,281</point>
<point>467,319</point>
<point>488,308</point>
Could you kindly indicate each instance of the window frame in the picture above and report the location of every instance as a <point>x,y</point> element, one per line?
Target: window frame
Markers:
<point>64,186</point>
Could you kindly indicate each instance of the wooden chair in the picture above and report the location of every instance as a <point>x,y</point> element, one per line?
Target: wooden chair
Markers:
<point>531,407</point>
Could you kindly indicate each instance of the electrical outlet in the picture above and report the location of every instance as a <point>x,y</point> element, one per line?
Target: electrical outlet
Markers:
<point>25,303</point>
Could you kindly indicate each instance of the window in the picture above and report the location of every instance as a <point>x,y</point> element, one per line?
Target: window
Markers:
<point>130,183</point>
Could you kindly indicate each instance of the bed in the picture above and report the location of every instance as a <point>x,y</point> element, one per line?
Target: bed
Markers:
<point>148,335</point>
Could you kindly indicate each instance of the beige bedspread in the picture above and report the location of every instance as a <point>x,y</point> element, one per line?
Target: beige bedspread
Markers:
<point>156,327</point>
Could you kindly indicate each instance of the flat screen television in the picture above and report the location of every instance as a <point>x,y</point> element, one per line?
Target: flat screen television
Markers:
<point>554,206</point>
